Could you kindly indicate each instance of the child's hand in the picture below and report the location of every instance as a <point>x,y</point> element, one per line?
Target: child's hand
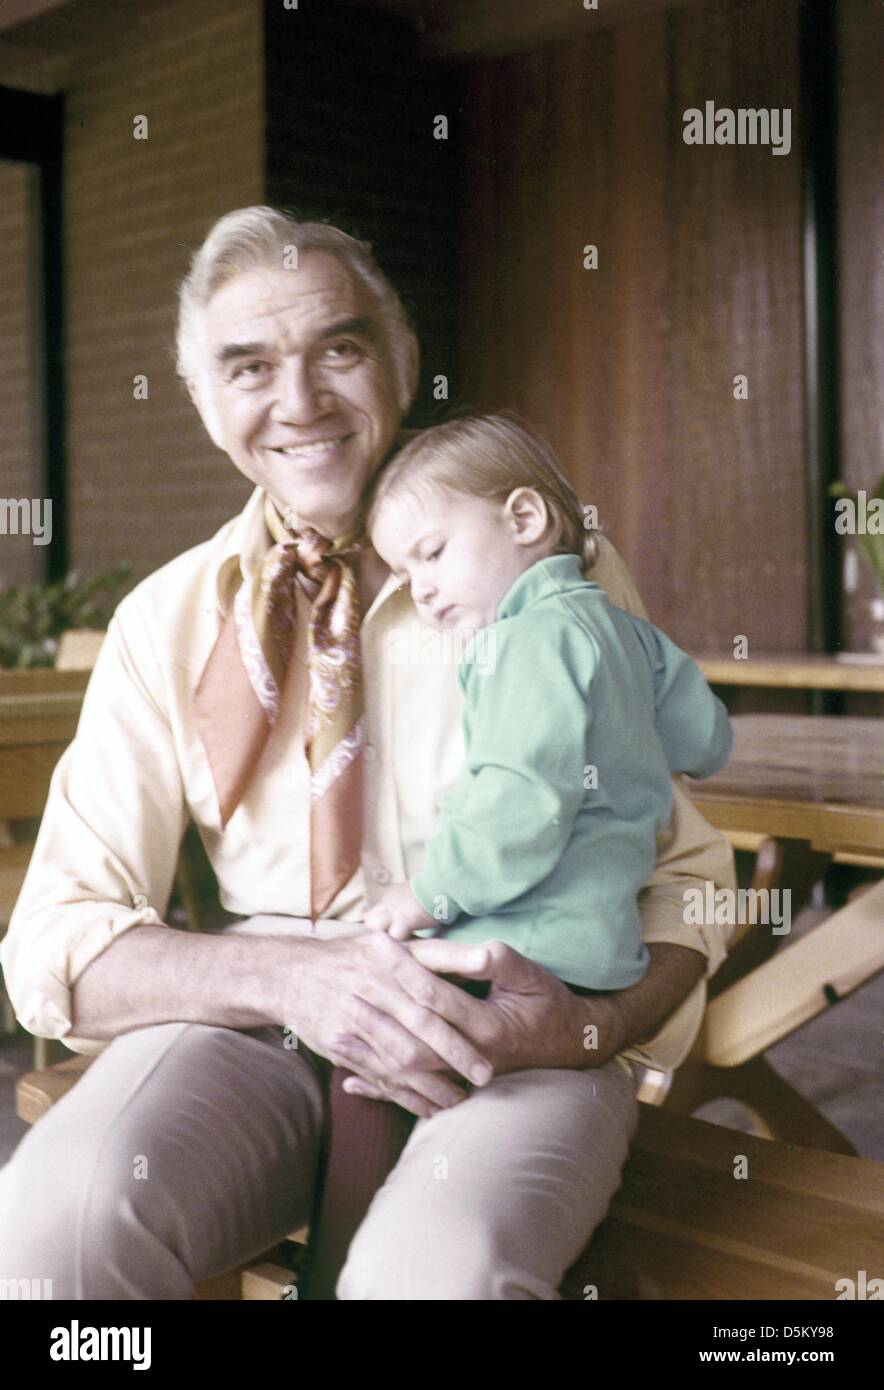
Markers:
<point>398,913</point>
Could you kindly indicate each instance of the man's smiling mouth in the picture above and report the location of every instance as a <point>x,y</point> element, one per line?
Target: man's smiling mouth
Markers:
<point>315,449</point>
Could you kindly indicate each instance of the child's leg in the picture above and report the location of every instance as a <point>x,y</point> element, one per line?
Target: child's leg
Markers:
<point>496,1197</point>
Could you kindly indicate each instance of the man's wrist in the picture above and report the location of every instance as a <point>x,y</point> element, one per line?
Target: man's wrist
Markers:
<point>627,1017</point>
<point>643,1008</point>
<point>602,1029</point>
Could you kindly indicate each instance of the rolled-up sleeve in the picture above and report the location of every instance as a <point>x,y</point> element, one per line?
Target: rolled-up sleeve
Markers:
<point>690,853</point>
<point>108,843</point>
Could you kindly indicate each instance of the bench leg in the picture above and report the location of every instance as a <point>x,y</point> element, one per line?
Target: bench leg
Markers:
<point>48,1051</point>
<point>7,1013</point>
<point>778,1111</point>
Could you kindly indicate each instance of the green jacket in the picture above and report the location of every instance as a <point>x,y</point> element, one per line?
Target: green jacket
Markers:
<point>573,720</point>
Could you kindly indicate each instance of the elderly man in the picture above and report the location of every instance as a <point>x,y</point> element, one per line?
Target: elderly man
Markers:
<point>249,684</point>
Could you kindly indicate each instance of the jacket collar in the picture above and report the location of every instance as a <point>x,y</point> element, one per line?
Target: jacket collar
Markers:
<point>557,574</point>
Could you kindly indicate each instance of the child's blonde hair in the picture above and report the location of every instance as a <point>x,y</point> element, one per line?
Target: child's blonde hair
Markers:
<point>488,456</point>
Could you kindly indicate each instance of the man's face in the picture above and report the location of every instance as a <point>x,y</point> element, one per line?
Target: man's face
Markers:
<point>298,387</point>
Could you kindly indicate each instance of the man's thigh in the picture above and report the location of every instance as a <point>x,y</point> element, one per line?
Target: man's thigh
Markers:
<point>496,1197</point>
<point>182,1151</point>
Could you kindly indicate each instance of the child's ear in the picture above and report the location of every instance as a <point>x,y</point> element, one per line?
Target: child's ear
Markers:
<point>527,514</point>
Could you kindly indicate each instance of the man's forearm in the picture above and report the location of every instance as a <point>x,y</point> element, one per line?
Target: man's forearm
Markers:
<point>639,1012</point>
<point>158,974</point>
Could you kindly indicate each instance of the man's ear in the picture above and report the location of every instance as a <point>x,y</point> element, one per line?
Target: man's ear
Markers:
<point>412,373</point>
<point>196,389</point>
<point>527,514</point>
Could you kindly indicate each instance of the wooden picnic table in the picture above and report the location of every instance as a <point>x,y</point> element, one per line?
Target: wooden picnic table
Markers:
<point>803,671</point>
<point>816,778</point>
<point>38,718</point>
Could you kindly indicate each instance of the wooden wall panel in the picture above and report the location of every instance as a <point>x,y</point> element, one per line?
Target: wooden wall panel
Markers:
<point>861,267</point>
<point>736,467</point>
<point>629,368</point>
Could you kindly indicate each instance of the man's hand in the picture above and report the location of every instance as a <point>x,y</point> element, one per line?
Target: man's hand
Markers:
<point>414,1030</point>
<point>528,1019</point>
<point>399,913</point>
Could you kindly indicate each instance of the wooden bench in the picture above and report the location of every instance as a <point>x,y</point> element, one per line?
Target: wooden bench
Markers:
<point>39,711</point>
<point>38,718</point>
<point>683,1224</point>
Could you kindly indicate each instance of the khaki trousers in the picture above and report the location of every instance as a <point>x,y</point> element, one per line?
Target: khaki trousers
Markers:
<point>187,1149</point>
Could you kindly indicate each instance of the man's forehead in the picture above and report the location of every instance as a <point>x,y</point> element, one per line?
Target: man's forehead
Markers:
<point>266,300</point>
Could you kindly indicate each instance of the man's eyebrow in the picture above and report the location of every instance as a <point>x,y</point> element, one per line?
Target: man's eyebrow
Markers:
<point>360,327</point>
<point>230,351</point>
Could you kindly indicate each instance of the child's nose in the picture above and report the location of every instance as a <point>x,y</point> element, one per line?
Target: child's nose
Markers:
<point>423,590</point>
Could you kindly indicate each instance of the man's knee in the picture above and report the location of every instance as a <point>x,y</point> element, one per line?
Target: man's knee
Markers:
<point>69,1198</point>
<point>462,1257</point>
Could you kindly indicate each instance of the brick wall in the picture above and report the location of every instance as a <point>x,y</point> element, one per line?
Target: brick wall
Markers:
<point>144,480</point>
<point>18,464</point>
<point>348,136</point>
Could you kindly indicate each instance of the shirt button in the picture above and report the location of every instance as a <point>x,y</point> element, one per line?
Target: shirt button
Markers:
<point>381,875</point>
<point>369,753</point>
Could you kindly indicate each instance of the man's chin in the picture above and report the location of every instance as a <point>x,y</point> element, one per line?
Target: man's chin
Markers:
<point>316,501</point>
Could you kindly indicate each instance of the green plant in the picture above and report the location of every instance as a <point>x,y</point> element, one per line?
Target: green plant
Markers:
<point>33,616</point>
<point>871,543</point>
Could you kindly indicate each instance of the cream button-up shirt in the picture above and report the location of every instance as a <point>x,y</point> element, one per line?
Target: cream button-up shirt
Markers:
<point>123,790</point>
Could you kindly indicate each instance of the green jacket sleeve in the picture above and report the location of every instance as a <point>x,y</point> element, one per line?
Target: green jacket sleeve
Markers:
<point>509,815</point>
<point>691,721</point>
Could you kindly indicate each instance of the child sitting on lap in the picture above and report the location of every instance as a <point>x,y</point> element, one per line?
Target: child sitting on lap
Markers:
<point>571,728</point>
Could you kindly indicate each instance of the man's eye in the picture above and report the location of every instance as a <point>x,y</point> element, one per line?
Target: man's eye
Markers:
<point>343,350</point>
<point>249,373</point>
<point>434,554</point>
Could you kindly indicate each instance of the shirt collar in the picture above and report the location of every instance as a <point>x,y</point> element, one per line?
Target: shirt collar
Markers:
<point>246,546</point>
<point>554,575</point>
<point>249,541</point>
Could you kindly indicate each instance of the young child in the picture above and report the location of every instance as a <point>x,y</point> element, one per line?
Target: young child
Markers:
<point>571,730</point>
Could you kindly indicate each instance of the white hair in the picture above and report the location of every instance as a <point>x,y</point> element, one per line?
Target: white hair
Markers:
<point>258,238</point>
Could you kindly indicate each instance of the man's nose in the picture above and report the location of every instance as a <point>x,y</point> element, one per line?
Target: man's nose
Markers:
<point>298,398</point>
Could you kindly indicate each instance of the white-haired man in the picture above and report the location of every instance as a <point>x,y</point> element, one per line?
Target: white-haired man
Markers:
<point>250,685</point>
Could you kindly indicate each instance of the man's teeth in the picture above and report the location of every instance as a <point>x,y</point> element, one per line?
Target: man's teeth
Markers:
<point>321,446</point>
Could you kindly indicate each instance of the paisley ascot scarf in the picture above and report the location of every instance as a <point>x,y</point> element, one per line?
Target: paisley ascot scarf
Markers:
<point>237,699</point>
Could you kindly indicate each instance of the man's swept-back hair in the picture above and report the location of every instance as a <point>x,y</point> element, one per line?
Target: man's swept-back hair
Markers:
<point>259,238</point>
<point>490,456</point>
